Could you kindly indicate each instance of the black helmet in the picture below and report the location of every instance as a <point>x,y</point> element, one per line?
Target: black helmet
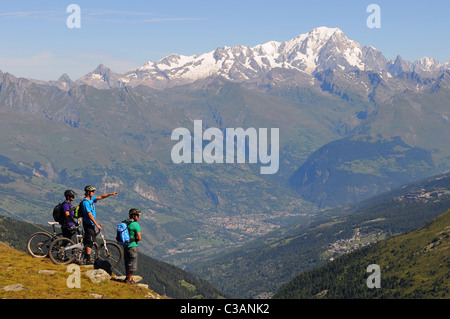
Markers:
<point>70,193</point>
<point>134,211</point>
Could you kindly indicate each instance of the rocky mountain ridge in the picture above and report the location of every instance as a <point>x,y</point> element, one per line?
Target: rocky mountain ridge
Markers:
<point>320,49</point>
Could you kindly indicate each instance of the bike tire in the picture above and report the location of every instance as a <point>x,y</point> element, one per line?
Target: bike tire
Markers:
<point>38,244</point>
<point>59,255</point>
<point>95,250</point>
<point>113,255</point>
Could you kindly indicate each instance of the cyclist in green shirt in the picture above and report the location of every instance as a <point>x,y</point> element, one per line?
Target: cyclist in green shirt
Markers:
<point>131,251</point>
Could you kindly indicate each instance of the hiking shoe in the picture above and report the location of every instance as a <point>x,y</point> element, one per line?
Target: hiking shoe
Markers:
<point>88,262</point>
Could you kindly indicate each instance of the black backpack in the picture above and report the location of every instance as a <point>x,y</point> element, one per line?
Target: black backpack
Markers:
<point>58,214</point>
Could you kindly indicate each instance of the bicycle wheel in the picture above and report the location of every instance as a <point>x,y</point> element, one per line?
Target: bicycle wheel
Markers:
<point>111,254</point>
<point>95,250</point>
<point>38,245</point>
<point>60,254</point>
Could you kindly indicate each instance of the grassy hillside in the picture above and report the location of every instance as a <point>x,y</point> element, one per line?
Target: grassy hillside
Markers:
<point>413,265</point>
<point>17,267</point>
<point>163,278</point>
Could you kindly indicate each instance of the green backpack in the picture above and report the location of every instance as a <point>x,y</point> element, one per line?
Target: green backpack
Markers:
<point>79,212</point>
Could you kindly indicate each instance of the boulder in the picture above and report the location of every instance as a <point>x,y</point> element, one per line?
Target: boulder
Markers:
<point>98,275</point>
<point>15,287</point>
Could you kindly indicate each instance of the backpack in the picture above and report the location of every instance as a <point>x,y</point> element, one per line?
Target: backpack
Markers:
<point>79,212</point>
<point>123,235</point>
<point>58,214</point>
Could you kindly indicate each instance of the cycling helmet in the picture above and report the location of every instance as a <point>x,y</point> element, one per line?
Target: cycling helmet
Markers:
<point>70,193</point>
<point>134,211</point>
<point>89,188</point>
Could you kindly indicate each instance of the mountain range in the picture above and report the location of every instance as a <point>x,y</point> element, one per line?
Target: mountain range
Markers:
<point>305,68</point>
<point>308,54</point>
<point>350,120</point>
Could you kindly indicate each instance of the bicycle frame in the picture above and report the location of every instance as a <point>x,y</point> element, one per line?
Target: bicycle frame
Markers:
<point>103,240</point>
<point>79,245</point>
<point>38,243</point>
<point>109,251</point>
<point>53,224</point>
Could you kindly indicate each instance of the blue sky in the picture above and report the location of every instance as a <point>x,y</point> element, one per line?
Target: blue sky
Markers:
<point>37,43</point>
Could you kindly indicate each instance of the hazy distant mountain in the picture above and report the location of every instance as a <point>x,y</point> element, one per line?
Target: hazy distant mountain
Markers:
<point>102,78</point>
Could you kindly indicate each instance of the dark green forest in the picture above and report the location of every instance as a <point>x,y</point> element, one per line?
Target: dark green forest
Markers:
<point>413,265</point>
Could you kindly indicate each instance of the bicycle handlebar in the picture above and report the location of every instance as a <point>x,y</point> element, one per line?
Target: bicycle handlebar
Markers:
<point>99,231</point>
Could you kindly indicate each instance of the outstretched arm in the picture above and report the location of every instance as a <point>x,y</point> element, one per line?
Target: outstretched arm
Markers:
<point>106,195</point>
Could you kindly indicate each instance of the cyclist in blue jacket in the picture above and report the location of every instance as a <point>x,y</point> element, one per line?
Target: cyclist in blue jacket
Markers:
<point>90,219</point>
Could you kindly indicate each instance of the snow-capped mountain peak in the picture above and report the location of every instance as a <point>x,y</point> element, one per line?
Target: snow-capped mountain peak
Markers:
<point>305,53</point>
<point>427,64</point>
<point>320,49</point>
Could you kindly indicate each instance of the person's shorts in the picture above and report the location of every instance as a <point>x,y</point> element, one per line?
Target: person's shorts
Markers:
<point>89,235</point>
<point>68,232</point>
<point>131,257</point>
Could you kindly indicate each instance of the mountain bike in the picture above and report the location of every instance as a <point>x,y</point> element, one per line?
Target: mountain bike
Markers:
<point>109,252</point>
<point>64,251</point>
<point>39,243</point>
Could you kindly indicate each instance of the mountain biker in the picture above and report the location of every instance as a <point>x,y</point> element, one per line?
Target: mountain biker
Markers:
<point>89,219</point>
<point>131,251</point>
<point>69,222</point>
